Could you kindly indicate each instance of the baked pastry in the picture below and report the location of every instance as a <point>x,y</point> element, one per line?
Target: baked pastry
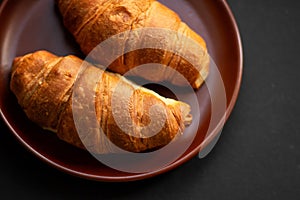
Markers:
<point>173,44</point>
<point>49,88</point>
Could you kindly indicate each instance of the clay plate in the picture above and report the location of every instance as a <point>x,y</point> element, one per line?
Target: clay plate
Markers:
<point>28,25</point>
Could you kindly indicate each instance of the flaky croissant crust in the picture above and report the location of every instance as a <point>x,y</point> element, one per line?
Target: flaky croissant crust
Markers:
<point>44,86</point>
<point>93,21</point>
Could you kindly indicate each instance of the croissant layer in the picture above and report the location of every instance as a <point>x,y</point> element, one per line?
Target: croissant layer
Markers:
<point>110,109</point>
<point>93,21</point>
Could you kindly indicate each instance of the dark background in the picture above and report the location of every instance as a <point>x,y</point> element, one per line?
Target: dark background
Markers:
<point>258,155</point>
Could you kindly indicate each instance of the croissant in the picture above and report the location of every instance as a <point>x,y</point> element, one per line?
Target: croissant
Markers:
<point>49,88</point>
<point>94,21</point>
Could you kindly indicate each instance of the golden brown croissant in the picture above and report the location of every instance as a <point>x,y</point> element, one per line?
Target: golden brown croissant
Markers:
<point>44,85</point>
<point>93,21</point>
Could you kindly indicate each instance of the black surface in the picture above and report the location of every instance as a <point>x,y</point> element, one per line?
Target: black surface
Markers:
<point>258,155</point>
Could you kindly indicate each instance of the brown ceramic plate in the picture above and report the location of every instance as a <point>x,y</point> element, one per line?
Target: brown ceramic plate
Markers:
<point>29,25</point>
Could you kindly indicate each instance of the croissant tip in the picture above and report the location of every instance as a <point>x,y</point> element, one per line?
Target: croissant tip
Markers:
<point>188,120</point>
<point>187,116</point>
<point>17,59</point>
